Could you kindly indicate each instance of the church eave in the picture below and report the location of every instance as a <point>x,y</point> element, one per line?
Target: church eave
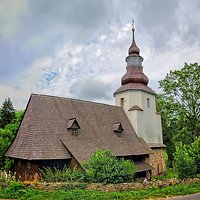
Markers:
<point>134,86</point>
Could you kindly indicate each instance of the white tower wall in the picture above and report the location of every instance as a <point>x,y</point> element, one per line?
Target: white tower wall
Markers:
<point>146,122</point>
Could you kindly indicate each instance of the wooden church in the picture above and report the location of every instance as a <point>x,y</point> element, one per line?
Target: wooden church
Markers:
<point>57,131</point>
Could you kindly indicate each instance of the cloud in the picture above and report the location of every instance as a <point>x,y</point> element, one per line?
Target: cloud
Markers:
<point>87,67</point>
<point>10,12</point>
<point>91,88</point>
<point>47,24</point>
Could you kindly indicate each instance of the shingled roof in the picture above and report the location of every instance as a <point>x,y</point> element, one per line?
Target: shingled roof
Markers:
<point>43,133</point>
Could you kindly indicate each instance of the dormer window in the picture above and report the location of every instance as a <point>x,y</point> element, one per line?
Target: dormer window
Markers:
<point>118,129</point>
<point>73,126</point>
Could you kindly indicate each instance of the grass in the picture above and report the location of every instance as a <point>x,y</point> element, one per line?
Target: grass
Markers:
<point>169,174</point>
<point>19,192</point>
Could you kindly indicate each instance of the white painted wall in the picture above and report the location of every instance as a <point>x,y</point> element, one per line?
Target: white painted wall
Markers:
<point>146,123</point>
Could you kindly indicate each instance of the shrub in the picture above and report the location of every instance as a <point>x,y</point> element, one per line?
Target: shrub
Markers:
<point>184,162</point>
<point>15,190</point>
<point>104,167</point>
<point>61,175</point>
<point>194,151</point>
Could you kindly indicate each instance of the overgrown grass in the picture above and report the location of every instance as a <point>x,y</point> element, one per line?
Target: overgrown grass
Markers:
<point>19,192</point>
<point>169,174</point>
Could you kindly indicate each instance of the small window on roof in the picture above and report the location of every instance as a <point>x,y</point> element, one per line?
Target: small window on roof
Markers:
<point>73,126</point>
<point>118,129</point>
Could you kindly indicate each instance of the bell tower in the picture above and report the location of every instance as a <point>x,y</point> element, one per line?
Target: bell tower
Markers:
<point>138,102</point>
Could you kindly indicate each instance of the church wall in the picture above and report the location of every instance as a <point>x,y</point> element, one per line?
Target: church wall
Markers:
<point>146,123</point>
<point>29,170</point>
<point>149,123</point>
<point>26,170</point>
<point>157,161</point>
<point>74,164</point>
<point>130,99</point>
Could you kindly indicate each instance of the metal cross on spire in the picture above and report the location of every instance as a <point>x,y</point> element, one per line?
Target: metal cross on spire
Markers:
<point>133,28</point>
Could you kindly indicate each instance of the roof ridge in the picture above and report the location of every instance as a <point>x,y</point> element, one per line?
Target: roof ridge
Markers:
<point>73,99</point>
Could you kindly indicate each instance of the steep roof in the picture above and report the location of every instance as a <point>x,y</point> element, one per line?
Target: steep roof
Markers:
<point>43,133</point>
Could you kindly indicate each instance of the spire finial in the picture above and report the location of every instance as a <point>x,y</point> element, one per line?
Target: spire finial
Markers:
<point>133,28</point>
<point>133,48</point>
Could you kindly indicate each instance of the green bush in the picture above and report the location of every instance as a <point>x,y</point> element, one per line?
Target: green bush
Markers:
<point>194,151</point>
<point>185,164</point>
<point>61,175</point>
<point>104,167</point>
<point>14,190</point>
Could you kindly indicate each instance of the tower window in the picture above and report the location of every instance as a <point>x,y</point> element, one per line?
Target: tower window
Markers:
<point>122,102</point>
<point>148,103</point>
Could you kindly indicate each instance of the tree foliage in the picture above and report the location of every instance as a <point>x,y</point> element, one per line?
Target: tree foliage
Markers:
<point>168,127</point>
<point>104,167</point>
<point>10,121</point>
<point>181,96</point>
<point>194,151</point>
<point>187,159</point>
<point>185,164</point>
<point>179,106</point>
<point>7,113</point>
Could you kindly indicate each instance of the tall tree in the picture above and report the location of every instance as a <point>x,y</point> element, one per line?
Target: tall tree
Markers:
<point>7,113</point>
<point>168,127</point>
<point>7,134</point>
<point>181,96</point>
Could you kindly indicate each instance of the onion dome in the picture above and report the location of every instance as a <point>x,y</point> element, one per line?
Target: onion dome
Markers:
<point>134,75</point>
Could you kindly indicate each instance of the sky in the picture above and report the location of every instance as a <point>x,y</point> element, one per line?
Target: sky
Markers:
<point>77,48</point>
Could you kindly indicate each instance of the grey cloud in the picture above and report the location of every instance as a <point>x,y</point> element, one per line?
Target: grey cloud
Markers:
<point>91,89</point>
<point>159,20</point>
<point>45,26</point>
<point>50,22</point>
<point>191,36</point>
<point>13,61</point>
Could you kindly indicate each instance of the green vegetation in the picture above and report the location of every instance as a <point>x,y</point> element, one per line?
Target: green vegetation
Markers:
<point>185,164</point>
<point>179,106</point>
<point>9,124</point>
<point>62,175</point>
<point>194,152</point>
<point>18,191</point>
<point>187,159</point>
<point>104,167</point>
<point>168,175</point>
<point>7,113</point>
